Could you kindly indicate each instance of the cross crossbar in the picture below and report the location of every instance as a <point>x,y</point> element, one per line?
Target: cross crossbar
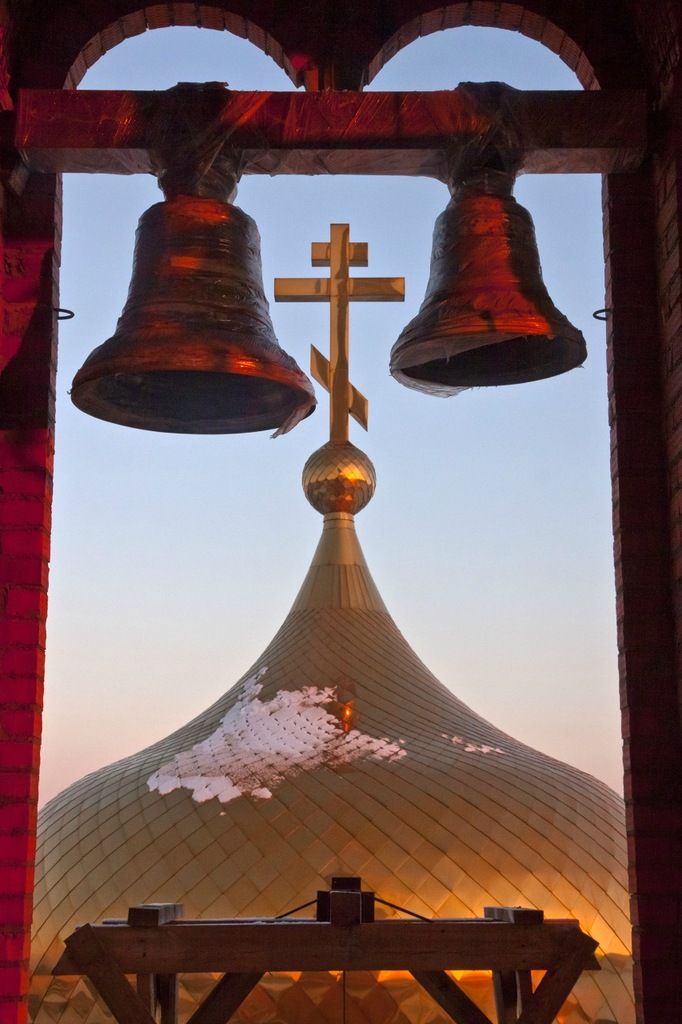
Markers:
<point>339,254</point>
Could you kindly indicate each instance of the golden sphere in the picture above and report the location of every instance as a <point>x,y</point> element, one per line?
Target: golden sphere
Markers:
<point>339,478</point>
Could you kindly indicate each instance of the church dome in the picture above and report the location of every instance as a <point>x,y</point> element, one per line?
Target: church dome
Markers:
<point>338,753</point>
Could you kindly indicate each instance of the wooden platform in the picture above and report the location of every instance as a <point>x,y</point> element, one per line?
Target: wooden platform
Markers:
<point>155,945</point>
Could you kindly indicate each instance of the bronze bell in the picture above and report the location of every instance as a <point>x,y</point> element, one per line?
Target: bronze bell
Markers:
<point>194,350</point>
<point>487,318</point>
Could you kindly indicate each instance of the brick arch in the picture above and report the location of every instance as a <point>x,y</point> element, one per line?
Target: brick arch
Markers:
<point>570,32</point>
<point>171,14</point>
<point>55,41</point>
<point>57,49</point>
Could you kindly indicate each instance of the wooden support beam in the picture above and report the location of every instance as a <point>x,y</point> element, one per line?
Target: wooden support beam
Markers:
<point>553,990</point>
<point>145,986</point>
<point>90,956</point>
<point>506,996</point>
<point>405,133</point>
<point>450,997</point>
<point>225,998</point>
<point>524,983</point>
<point>167,995</point>
<point>151,915</point>
<point>300,945</point>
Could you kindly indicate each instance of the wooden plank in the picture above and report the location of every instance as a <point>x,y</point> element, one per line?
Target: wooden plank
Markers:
<point>225,998</point>
<point>450,997</point>
<point>93,958</point>
<point>318,946</point>
<point>527,915</point>
<point>330,132</point>
<point>506,996</point>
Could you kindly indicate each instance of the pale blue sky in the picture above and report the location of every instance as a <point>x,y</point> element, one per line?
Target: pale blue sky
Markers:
<point>175,558</point>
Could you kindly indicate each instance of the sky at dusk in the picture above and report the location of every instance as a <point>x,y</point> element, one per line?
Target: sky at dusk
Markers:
<point>175,558</point>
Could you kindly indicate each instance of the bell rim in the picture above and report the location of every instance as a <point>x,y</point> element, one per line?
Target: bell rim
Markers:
<point>567,351</point>
<point>87,396</point>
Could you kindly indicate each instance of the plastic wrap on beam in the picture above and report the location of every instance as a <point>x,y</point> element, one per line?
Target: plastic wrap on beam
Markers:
<point>406,133</point>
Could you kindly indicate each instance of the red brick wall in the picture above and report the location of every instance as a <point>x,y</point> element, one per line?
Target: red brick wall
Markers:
<point>27,358</point>
<point>646,627</point>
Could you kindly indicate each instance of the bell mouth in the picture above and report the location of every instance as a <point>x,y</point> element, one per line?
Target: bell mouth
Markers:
<point>508,360</point>
<point>190,402</point>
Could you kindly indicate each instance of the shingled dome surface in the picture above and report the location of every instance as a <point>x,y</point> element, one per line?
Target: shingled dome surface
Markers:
<point>338,753</point>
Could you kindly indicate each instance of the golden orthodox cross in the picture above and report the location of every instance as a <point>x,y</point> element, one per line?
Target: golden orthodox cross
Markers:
<point>339,254</point>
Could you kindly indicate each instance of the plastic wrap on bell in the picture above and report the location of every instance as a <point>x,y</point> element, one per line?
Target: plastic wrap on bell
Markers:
<point>487,318</point>
<point>194,350</point>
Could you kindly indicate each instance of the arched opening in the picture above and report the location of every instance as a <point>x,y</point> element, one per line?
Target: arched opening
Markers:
<point>219,488</point>
<point>173,15</point>
<point>532,436</point>
<point>505,16</point>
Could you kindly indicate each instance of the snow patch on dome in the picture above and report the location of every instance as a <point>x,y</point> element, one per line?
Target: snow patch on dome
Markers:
<point>471,747</point>
<point>260,743</point>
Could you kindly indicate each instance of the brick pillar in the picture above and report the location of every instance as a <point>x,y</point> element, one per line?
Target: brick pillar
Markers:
<point>646,619</point>
<point>27,366</point>
<point>668,192</point>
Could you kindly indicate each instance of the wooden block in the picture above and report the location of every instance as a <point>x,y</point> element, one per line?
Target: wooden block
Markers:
<point>346,883</point>
<point>345,908</point>
<point>148,915</point>
<point>514,915</point>
<point>322,913</point>
<point>367,907</point>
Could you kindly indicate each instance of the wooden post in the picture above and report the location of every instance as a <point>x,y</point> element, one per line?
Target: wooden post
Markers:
<point>506,996</point>
<point>146,989</point>
<point>513,989</point>
<point>167,995</point>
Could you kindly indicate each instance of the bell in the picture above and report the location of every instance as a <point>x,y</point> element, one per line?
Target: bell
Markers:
<point>194,350</point>
<point>487,318</point>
